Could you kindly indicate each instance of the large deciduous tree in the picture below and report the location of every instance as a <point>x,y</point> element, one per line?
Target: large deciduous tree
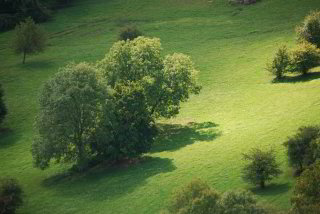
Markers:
<point>309,30</point>
<point>29,38</point>
<point>71,105</point>
<point>166,81</point>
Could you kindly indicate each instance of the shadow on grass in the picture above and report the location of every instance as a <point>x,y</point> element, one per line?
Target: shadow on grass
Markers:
<point>33,64</point>
<point>104,183</point>
<point>298,79</point>
<point>8,137</point>
<point>272,189</point>
<point>175,136</point>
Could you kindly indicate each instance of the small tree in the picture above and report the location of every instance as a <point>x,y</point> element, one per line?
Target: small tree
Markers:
<point>305,57</point>
<point>196,197</point>
<point>240,201</point>
<point>29,38</point>
<point>129,33</point>
<point>306,196</point>
<point>309,31</point>
<point>261,167</point>
<point>11,196</point>
<point>300,147</point>
<point>3,108</point>
<point>71,105</point>
<point>279,65</point>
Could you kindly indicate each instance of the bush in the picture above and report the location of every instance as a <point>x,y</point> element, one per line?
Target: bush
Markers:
<point>3,108</point>
<point>29,38</point>
<point>309,31</point>
<point>280,63</point>
<point>11,196</point>
<point>303,148</point>
<point>262,167</point>
<point>129,33</point>
<point>240,201</point>
<point>306,195</point>
<point>305,57</point>
<point>196,197</point>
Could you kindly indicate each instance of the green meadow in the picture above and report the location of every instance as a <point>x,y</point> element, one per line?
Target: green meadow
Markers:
<point>238,108</point>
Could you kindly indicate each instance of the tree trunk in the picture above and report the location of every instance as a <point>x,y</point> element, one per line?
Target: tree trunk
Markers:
<point>262,184</point>
<point>24,57</point>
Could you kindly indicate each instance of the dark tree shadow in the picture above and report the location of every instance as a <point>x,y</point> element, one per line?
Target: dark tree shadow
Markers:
<point>8,137</point>
<point>175,136</point>
<point>104,183</point>
<point>272,189</point>
<point>298,79</point>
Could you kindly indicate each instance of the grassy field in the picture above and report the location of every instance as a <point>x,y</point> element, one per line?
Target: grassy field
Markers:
<point>238,108</point>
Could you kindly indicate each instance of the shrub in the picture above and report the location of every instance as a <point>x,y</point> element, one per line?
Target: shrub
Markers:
<point>303,148</point>
<point>280,64</point>
<point>240,201</point>
<point>29,38</point>
<point>196,197</point>
<point>309,31</point>
<point>11,196</point>
<point>129,33</point>
<point>3,108</point>
<point>306,196</point>
<point>261,167</point>
<point>305,57</point>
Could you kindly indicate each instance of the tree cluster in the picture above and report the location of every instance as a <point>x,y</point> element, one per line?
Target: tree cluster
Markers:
<point>303,148</point>
<point>197,197</point>
<point>305,56</point>
<point>11,196</point>
<point>306,195</point>
<point>107,111</point>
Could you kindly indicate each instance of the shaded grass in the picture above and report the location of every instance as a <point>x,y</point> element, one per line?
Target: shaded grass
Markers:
<point>229,45</point>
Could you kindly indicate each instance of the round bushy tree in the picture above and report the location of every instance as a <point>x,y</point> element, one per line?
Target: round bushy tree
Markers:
<point>196,197</point>
<point>240,201</point>
<point>302,147</point>
<point>310,29</point>
<point>3,108</point>
<point>29,38</point>
<point>306,196</point>
<point>305,57</point>
<point>261,167</point>
<point>71,105</point>
<point>280,64</point>
<point>11,196</point>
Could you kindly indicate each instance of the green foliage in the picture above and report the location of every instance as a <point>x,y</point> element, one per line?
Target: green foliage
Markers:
<point>71,104</point>
<point>309,31</point>
<point>240,202</point>
<point>261,167</point>
<point>195,198</point>
<point>280,64</point>
<point>305,57</point>
<point>306,198</point>
<point>129,33</point>
<point>166,82</point>
<point>11,196</point>
<point>29,38</point>
<point>3,108</point>
<point>303,147</point>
